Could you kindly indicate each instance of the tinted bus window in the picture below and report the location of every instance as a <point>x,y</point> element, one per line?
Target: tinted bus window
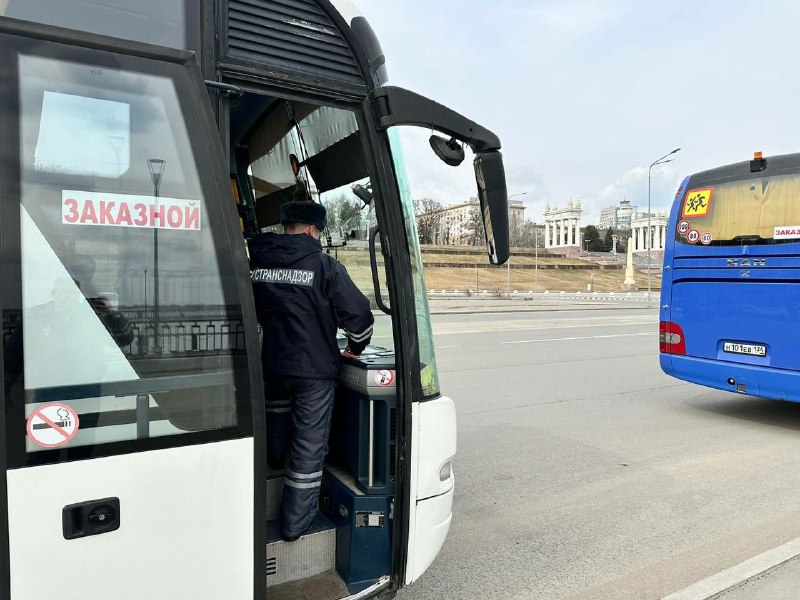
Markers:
<point>759,210</point>
<point>160,22</point>
<point>129,316</point>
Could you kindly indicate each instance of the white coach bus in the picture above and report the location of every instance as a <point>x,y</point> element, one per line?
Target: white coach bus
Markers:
<point>142,144</point>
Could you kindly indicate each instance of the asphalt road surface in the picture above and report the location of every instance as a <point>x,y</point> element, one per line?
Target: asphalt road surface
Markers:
<point>585,472</point>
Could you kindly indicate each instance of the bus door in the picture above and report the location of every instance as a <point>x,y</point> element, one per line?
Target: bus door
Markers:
<point>432,434</point>
<point>128,438</point>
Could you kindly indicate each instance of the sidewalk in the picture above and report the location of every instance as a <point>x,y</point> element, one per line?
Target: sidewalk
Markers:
<point>779,583</point>
<point>772,575</point>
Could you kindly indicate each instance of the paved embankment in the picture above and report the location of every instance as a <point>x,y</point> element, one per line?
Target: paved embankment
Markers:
<point>442,303</point>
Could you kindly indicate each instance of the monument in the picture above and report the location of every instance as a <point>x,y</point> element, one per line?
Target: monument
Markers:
<point>629,285</point>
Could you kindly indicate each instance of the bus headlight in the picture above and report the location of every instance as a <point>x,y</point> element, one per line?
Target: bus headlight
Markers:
<point>446,471</point>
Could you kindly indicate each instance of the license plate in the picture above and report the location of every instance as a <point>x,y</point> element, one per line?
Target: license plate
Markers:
<point>750,349</point>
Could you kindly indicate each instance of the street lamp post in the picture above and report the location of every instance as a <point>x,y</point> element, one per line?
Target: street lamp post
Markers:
<point>536,257</point>
<point>143,346</point>
<point>649,237</point>
<point>156,168</point>
<point>144,268</point>
<point>508,262</point>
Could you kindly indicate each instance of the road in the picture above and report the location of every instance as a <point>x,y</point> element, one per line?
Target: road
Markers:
<point>584,472</point>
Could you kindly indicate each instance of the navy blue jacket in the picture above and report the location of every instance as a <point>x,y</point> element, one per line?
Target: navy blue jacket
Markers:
<point>302,295</point>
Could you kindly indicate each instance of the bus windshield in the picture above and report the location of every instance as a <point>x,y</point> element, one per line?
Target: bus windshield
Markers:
<point>752,211</point>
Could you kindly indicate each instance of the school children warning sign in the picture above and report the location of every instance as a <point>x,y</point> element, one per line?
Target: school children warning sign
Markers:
<point>125,210</point>
<point>53,425</point>
<point>697,203</point>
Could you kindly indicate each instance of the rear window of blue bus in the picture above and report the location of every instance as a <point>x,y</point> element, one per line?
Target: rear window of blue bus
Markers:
<point>752,211</point>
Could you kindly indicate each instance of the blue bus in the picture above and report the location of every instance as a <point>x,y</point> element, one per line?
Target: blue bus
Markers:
<point>730,301</point>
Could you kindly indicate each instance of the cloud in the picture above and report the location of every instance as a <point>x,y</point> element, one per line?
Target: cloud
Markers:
<point>575,19</point>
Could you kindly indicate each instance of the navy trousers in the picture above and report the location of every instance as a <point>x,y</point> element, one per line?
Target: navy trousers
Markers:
<point>298,423</point>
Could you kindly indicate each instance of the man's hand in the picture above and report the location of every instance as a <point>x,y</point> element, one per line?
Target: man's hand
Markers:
<point>348,354</point>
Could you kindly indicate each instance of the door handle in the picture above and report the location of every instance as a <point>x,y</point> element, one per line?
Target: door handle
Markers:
<point>90,518</point>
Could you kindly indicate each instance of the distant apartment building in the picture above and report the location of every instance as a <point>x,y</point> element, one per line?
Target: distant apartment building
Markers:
<point>624,216</point>
<point>456,221</point>
<point>619,216</point>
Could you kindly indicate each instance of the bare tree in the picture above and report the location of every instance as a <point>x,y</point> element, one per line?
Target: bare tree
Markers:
<point>524,235</point>
<point>515,229</point>
<point>429,219</point>
<point>477,233</point>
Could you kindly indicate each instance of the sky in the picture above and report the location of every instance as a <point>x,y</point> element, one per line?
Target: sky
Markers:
<point>586,94</point>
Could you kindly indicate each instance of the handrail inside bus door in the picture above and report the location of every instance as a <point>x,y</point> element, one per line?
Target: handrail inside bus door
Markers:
<point>373,261</point>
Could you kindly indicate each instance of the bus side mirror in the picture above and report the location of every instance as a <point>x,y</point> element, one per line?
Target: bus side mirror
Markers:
<point>449,151</point>
<point>491,178</point>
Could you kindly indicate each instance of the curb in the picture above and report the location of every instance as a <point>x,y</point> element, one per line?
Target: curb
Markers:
<point>712,587</point>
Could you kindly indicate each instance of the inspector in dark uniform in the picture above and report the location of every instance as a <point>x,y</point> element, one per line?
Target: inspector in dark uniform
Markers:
<point>302,295</point>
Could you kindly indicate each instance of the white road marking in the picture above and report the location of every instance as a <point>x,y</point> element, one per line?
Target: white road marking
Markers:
<point>582,337</point>
<point>454,346</point>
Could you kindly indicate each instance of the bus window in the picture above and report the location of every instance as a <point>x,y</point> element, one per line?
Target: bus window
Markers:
<point>127,310</point>
<point>428,372</point>
<point>753,211</point>
<point>103,126</point>
<point>160,22</point>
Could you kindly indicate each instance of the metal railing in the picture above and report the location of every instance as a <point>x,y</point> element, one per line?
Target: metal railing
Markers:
<point>185,331</point>
<point>182,331</point>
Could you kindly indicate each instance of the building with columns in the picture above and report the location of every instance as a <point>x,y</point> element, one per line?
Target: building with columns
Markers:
<point>658,231</point>
<point>562,226</point>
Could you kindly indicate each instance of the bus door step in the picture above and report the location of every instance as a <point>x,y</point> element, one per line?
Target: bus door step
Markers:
<point>311,555</point>
<point>320,587</point>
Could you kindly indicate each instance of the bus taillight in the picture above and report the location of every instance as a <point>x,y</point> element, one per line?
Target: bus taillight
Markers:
<point>670,338</point>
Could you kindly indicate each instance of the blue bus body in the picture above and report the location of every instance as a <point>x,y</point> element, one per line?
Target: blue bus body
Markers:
<point>730,310</point>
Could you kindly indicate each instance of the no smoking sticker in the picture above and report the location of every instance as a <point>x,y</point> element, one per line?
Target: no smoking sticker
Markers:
<point>693,236</point>
<point>384,377</point>
<point>684,227</point>
<point>53,425</point>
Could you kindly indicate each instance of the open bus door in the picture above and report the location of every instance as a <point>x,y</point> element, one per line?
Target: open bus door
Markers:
<point>430,486</point>
<point>130,441</point>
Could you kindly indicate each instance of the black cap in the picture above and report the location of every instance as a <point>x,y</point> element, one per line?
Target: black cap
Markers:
<point>304,212</point>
